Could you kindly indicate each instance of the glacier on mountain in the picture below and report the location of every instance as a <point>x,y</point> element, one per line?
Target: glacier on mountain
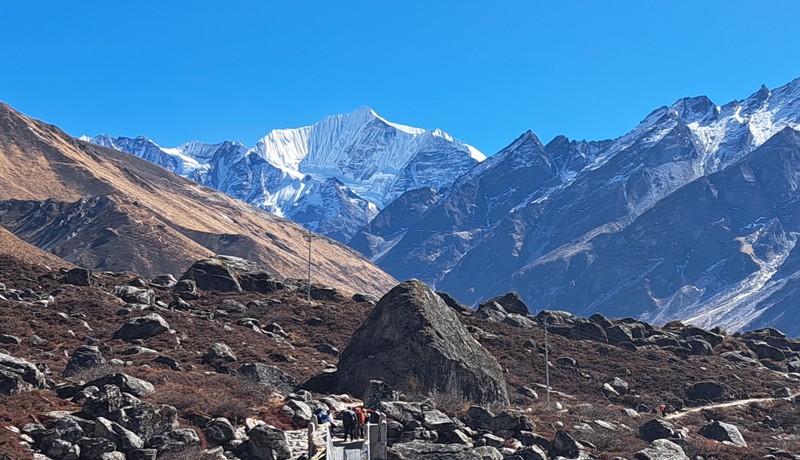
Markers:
<point>372,160</point>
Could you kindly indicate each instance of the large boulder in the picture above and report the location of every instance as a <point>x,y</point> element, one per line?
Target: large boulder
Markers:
<point>18,375</point>
<point>705,391</point>
<point>79,277</point>
<point>124,382</point>
<point>142,327</point>
<point>657,429</point>
<point>213,274</point>
<point>413,340</point>
<point>231,274</point>
<point>723,432</point>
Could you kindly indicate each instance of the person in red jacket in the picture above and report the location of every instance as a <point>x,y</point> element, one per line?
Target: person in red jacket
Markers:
<point>361,418</point>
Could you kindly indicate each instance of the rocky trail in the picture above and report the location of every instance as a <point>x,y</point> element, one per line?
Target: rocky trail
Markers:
<point>739,402</point>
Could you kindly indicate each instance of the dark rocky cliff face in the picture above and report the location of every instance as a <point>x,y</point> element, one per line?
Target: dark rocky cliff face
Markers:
<point>412,339</point>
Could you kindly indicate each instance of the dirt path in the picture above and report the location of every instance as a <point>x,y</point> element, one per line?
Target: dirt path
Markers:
<point>740,402</point>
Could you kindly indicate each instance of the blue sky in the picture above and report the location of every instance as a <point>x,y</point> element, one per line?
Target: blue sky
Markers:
<point>484,71</point>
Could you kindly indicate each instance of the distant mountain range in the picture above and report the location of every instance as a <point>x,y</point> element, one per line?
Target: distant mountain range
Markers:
<point>694,214</point>
<point>331,177</point>
<point>103,209</point>
<point>691,215</point>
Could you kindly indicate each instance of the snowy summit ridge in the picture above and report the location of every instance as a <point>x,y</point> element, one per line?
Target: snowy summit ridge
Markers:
<point>373,160</point>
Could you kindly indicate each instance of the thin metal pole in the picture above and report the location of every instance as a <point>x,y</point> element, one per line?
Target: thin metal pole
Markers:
<point>309,237</point>
<point>547,362</point>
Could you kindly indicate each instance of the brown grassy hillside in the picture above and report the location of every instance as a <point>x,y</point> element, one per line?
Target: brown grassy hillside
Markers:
<point>143,218</point>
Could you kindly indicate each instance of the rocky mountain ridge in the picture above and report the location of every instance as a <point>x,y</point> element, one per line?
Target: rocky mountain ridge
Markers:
<point>538,218</point>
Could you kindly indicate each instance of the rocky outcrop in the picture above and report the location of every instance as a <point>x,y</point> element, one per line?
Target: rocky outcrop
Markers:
<point>413,339</point>
<point>18,375</point>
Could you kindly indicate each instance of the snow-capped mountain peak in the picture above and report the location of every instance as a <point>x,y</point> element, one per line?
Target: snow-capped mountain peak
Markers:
<point>371,159</point>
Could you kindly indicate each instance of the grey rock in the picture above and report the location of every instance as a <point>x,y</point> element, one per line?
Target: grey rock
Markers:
<point>269,376</point>
<point>436,420</point>
<point>418,433</point>
<point>9,339</point>
<point>84,357</point>
<point>619,385</point>
<point>531,453</point>
<point>379,391</point>
<point>328,349</point>
<point>214,274</point>
<point>479,418</point>
<point>300,411</point>
<point>404,412</point>
<point>131,294</point>
<point>657,429</point>
<point>708,391</point>
<point>423,450</point>
<point>103,401</point>
<point>164,281</point>
<point>180,438</point>
<point>488,453</point>
<point>411,334</point>
<point>268,443</point>
<point>63,428</point>
<point>723,432</point>
<point>142,327</point>
<point>661,449</point>
<point>18,375</point>
<point>92,448</point>
<point>116,433</point>
<point>125,382</point>
<point>765,351</point>
<point>219,353</point>
<point>113,456</point>
<point>59,448</point>
<point>170,362</point>
<point>361,298</point>
<point>565,445</point>
<point>232,306</point>
<point>148,420</point>
<point>512,303</point>
<point>511,420</point>
<point>186,286</point>
<point>142,454</point>
<point>219,431</point>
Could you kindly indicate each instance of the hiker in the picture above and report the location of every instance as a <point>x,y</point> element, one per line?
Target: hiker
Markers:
<point>662,410</point>
<point>322,416</point>
<point>349,422</point>
<point>361,418</point>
